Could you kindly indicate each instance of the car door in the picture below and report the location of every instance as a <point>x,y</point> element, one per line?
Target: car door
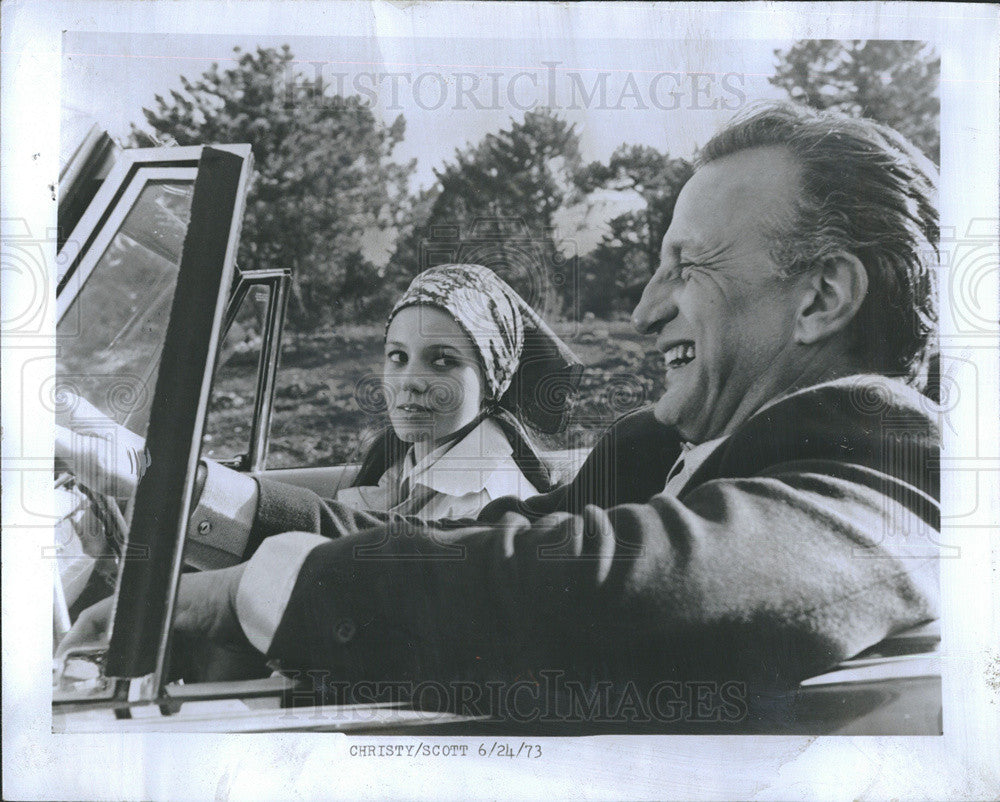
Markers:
<point>163,334</point>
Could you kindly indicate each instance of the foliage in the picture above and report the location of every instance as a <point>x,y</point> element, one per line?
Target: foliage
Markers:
<point>329,201</point>
<point>324,180</point>
<point>494,205</point>
<point>521,171</point>
<point>612,275</point>
<point>894,82</point>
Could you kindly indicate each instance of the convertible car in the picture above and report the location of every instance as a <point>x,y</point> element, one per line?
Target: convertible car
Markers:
<point>152,308</point>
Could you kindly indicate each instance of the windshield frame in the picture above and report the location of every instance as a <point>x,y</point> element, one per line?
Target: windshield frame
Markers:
<point>82,251</point>
<point>146,588</point>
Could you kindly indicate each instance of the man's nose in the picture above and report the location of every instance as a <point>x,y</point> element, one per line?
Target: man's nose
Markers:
<point>656,307</point>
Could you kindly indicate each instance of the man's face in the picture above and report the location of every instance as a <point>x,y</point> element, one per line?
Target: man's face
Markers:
<point>722,314</point>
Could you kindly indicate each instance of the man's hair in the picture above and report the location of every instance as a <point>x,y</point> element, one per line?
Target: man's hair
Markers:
<point>867,191</point>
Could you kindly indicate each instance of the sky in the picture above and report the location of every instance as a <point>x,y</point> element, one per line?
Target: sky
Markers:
<point>668,93</point>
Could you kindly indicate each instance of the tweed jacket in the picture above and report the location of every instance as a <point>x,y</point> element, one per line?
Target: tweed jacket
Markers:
<point>808,535</point>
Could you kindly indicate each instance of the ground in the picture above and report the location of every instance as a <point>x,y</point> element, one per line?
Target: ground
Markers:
<point>326,401</point>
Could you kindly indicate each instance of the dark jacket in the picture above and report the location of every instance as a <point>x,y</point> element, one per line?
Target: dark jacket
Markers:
<point>808,535</point>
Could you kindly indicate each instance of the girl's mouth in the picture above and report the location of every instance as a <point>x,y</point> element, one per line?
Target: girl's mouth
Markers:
<point>412,408</point>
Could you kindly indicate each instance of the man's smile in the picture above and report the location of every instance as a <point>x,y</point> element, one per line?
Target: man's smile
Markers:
<point>679,355</point>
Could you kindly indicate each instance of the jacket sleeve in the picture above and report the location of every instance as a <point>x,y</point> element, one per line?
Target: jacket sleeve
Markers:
<point>286,508</point>
<point>606,478</point>
<point>235,512</point>
<point>765,579</point>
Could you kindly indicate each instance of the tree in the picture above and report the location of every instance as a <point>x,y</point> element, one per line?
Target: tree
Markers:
<point>610,275</point>
<point>324,180</point>
<point>494,205</point>
<point>894,82</point>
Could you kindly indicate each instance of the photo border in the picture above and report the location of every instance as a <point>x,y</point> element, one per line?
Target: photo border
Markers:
<point>959,764</point>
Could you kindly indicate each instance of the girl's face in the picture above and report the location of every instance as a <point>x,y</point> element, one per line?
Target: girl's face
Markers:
<point>433,382</point>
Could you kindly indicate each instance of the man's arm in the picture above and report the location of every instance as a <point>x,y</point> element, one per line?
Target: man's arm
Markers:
<point>235,512</point>
<point>767,580</point>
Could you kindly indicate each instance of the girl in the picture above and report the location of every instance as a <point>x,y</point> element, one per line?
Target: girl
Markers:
<point>465,358</point>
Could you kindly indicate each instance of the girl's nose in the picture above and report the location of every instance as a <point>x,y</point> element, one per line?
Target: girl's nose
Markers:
<point>414,382</point>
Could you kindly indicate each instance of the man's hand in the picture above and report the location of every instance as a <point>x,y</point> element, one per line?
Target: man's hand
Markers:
<point>206,605</point>
<point>91,630</point>
<point>211,645</point>
<point>205,613</point>
<point>104,456</point>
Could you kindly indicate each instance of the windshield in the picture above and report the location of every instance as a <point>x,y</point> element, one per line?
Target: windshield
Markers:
<point>111,335</point>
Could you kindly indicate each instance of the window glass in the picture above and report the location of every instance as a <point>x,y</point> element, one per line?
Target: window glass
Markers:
<point>328,402</point>
<point>228,428</point>
<point>111,335</point>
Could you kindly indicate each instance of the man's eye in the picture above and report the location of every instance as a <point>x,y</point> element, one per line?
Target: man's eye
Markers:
<point>684,270</point>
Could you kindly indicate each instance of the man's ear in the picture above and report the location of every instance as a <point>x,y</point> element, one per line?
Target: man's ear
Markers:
<point>837,288</point>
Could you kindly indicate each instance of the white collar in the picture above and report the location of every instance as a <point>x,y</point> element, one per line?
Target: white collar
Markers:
<point>689,460</point>
<point>464,467</point>
<point>696,452</point>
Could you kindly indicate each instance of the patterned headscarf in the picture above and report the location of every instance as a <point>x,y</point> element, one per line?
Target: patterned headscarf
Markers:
<point>487,309</point>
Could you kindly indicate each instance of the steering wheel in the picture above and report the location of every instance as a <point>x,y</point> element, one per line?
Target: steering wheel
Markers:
<point>94,456</point>
<point>105,507</point>
<point>91,533</point>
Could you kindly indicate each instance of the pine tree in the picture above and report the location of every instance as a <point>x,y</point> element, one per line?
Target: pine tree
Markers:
<point>612,275</point>
<point>894,82</point>
<point>324,179</point>
<point>494,205</point>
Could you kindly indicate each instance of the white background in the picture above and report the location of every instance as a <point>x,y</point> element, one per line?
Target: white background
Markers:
<point>961,764</point>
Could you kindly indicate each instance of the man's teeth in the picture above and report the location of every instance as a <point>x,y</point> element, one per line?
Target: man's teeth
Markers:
<point>679,355</point>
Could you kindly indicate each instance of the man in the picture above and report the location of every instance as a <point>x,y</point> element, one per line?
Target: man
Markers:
<point>770,516</point>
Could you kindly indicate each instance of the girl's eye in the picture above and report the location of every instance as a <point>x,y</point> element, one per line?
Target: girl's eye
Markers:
<point>444,361</point>
<point>396,357</point>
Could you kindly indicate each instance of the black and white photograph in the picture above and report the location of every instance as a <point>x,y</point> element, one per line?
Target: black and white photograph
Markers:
<point>484,400</point>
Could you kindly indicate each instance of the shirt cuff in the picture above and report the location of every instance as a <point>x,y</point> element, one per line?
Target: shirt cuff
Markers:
<point>267,584</point>
<point>219,527</point>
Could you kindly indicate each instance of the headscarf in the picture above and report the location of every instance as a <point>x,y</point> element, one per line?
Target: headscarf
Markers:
<point>529,372</point>
<point>485,307</point>
<point>527,369</point>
